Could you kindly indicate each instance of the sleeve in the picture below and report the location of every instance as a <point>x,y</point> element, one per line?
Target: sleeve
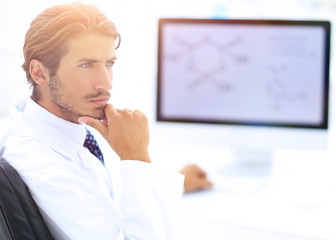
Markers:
<point>77,207</point>
<point>149,200</point>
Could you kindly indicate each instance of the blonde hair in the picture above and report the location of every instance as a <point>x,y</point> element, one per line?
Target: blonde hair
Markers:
<point>48,33</point>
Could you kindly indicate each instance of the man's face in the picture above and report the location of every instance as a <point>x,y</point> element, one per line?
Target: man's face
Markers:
<point>84,78</point>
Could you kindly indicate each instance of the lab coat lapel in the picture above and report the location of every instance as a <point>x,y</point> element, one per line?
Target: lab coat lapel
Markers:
<point>63,145</point>
<point>95,168</point>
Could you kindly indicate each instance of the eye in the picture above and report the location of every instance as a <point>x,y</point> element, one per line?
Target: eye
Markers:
<point>85,65</point>
<point>110,63</point>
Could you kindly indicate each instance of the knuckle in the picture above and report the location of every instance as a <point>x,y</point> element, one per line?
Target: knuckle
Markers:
<point>141,114</point>
<point>126,113</point>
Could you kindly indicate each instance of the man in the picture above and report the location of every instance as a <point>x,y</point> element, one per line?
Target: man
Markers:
<point>69,53</point>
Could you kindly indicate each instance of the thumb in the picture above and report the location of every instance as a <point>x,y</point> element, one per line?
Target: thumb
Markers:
<point>93,122</point>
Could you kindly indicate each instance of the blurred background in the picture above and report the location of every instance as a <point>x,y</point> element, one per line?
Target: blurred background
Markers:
<point>135,71</point>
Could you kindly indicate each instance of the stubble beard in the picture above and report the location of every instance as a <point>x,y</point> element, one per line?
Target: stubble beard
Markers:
<point>68,111</point>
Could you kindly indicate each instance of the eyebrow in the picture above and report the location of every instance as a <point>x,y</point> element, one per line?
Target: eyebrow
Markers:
<point>94,60</point>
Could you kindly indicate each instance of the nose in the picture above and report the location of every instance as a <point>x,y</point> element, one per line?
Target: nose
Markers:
<point>104,79</point>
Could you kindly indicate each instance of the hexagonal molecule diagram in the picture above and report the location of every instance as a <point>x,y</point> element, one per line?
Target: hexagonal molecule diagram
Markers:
<point>207,60</point>
<point>279,89</point>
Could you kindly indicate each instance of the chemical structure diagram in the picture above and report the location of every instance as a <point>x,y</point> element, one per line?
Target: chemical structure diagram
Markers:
<point>290,46</point>
<point>279,90</point>
<point>215,55</point>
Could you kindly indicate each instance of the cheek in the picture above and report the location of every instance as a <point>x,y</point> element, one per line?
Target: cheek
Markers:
<point>79,81</point>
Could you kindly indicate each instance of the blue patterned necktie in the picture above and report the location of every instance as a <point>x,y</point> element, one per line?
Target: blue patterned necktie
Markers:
<point>92,145</point>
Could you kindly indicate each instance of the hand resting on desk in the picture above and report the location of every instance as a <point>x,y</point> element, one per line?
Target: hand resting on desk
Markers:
<point>195,178</point>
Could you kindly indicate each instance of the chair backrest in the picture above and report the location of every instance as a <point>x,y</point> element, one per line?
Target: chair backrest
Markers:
<point>20,218</point>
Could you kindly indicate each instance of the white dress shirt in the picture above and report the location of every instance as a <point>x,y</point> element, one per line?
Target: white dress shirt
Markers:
<point>78,196</point>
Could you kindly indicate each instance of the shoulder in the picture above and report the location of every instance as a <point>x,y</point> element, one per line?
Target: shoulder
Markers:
<point>25,147</point>
<point>33,158</point>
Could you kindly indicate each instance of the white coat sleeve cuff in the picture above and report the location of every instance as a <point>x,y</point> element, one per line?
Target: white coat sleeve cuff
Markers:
<point>173,181</point>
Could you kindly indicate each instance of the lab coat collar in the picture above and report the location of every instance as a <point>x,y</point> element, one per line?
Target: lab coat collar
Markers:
<point>66,138</point>
<point>41,125</point>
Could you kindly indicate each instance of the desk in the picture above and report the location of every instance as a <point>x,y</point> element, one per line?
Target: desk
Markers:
<point>298,201</point>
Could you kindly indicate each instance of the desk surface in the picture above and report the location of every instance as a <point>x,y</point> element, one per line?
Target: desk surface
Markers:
<point>297,201</point>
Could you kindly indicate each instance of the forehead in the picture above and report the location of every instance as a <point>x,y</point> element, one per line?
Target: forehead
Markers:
<point>90,45</point>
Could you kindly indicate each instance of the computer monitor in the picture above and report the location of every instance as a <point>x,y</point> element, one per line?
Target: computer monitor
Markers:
<point>251,85</point>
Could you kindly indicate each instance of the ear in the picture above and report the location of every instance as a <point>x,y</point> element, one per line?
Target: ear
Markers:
<point>39,72</point>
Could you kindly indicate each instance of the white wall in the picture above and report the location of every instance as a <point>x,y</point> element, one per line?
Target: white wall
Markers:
<point>135,71</point>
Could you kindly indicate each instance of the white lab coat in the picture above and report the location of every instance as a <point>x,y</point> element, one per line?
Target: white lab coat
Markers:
<point>80,198</point>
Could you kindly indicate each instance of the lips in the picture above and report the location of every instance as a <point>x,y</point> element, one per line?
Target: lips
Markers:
<point>100,101</point>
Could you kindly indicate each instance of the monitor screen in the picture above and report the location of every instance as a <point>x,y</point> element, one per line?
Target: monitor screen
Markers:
<point>244,72</point>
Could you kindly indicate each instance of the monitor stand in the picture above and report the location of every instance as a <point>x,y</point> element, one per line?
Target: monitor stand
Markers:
<point>248,172</point>
<point>248,163</point>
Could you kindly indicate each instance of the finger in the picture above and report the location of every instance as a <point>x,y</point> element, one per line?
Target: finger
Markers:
<point>206,184</point>
<point>199,171</point>
<point>139,111</point>
<point>202,174</point>
<point>141,114</point>
<point>110,110</point>
<point>93,122</point>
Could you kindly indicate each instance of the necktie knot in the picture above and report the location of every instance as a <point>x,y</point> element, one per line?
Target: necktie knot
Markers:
<point>91,144</point>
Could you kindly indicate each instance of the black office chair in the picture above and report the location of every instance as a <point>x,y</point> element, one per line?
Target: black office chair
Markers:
<point>20,219</point>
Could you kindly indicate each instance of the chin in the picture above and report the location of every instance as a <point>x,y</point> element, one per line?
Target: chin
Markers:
<point>96,114</point>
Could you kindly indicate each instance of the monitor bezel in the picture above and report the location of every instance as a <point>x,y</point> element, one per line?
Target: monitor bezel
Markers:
<point>261,22</point>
